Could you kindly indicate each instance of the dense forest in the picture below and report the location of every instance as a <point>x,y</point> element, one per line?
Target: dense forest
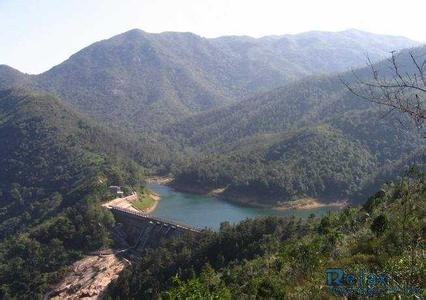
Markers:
<point>312,138</point>
<point>286,258</point>
<point>55,167</point>
<point>197,110</point>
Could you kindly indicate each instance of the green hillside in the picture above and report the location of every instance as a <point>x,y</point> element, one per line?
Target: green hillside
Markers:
<point>55,167</point>
<point>145,80</point>
<point>236,113</point>
<point>312,138</point>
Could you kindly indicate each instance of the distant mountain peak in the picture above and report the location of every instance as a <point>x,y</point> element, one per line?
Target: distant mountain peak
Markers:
<point>144,75</point>
<point>355,30</point>
<point>134,31</point>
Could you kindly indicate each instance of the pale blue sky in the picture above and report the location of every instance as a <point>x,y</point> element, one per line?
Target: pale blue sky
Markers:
<point>38,34</point>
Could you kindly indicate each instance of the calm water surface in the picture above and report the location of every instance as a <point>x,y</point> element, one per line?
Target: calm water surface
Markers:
<point>204,211</point>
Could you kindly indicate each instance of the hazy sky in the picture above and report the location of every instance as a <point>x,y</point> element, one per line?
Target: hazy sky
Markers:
<point>38,34</point>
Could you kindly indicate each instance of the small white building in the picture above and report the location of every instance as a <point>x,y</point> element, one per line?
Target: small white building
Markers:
<point>116,191</point>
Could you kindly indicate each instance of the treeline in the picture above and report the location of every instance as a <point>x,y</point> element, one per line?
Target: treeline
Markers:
<point>323,162</point>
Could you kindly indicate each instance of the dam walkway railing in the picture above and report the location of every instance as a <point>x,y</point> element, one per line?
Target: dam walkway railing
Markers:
<point>155,219</point>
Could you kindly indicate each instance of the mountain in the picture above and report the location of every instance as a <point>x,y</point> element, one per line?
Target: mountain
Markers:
<point>10,77</point>
<point>197,108</point>
<point>146,80</point>
<point>311,138</point>
<point>48,148</point>
<point>315,52</point>
<point>55,168</point>
<point>189,97</point>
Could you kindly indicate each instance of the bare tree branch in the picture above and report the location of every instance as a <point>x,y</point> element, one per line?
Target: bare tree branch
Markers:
<point>403,91</point>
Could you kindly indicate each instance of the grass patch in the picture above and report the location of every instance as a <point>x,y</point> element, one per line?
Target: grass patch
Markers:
<point>144,201</point>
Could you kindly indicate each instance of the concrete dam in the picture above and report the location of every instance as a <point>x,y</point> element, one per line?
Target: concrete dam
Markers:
<point>143,230</point>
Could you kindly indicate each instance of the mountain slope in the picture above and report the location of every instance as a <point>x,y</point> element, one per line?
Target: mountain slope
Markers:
<point>48,149</point>
<point>295,56</point>
<point>312,138</point>
<point>146,80</point>
<point>10,77</point>
<point>55,167</point>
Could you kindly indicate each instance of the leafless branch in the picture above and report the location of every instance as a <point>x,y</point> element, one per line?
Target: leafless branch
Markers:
<point>403,91</point>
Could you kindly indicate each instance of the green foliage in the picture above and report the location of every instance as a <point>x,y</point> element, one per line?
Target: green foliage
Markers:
<point>143,80</point>
<point>207,286</point>
<point>286,257</point>
<point>145,199</point>
<point>311,138</point>
<point>320,162</point>
<point>308,138</point>
<point>55,167</point>
<point>380,224</point>
<point>34,260</point>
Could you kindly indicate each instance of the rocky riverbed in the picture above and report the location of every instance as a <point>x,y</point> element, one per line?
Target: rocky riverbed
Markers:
<point>89,277</point>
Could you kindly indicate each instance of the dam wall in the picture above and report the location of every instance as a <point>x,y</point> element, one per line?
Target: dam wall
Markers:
<point>144,230</point>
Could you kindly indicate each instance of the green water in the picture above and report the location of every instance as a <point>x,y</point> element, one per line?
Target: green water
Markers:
<point>204,211</point>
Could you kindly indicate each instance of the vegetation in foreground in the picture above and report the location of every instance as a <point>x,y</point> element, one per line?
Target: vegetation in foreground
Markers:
<point>287,257</point>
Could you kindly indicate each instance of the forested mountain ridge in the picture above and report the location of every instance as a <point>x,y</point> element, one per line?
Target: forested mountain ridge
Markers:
<point>314,52</point>
<point>10,77</point>
<point>55,167</point>
<point>311,138</point>
<point>306,102</point>
<point>159,85</point>
<point>146,80</point>
<point>50,147</point>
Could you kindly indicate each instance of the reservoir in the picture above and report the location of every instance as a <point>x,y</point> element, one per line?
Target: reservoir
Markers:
<point>204,211</point>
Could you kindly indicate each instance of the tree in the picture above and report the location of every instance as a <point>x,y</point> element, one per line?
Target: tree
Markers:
<point>401,86</point>
<point>379,224</point>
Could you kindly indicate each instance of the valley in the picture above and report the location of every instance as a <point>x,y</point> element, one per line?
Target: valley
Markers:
<point>249,166</point>
<point>254,200</point>
<point>204,211</point>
